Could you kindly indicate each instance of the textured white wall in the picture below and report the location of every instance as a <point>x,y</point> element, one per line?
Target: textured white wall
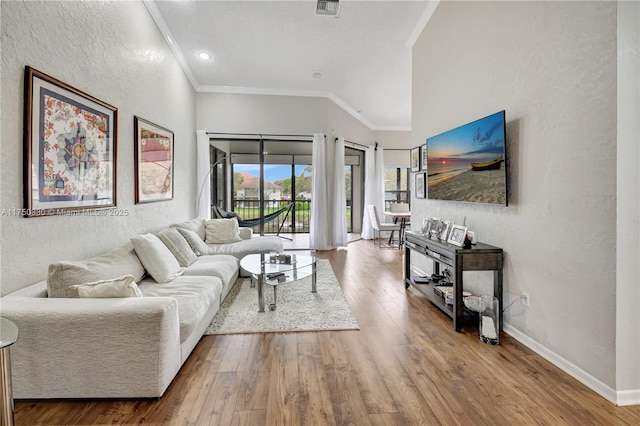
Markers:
<point>552,67</point>
<point>237,113</point>
<point>628,239</point>
<point>113,51</point>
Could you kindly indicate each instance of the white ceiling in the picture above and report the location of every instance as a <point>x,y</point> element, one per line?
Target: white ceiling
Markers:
<point>274,47</point>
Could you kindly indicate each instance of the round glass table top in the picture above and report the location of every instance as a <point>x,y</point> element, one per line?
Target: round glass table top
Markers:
<point>8,333</point>
<point>261,264</point>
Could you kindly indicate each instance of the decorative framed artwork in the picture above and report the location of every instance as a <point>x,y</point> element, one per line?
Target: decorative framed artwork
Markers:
<point>70,140</point>
<point>421,187</point>
<point>153,161</point>
<point>415,159</point>
<point>457,235</point>
<point>423,156</point>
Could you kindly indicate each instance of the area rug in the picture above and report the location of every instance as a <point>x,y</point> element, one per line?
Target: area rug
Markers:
<point>298,309</point>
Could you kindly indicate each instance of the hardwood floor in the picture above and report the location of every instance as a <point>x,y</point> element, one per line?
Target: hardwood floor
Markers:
<point>405,366</point>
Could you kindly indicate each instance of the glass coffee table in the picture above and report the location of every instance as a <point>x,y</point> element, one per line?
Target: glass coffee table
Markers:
<point>264,271</point>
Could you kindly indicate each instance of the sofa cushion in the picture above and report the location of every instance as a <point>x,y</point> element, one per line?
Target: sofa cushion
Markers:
<point>120,261</point>
<point>195,296</point>
<point>221,231</point>
<point>178,246</point>
<point>196,225</point>
<point>196,243</point>
<point>156,258</point>
<point>242,248</point>
<point>222,266</point>
<point>124,286</point>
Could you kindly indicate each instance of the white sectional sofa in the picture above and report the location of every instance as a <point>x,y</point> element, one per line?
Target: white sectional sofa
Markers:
<point>123,347</point>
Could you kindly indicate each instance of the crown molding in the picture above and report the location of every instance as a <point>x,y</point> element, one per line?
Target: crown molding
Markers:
<point>422,22</point>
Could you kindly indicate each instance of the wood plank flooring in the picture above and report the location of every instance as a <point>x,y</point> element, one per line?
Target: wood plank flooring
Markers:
<point>405,366</point>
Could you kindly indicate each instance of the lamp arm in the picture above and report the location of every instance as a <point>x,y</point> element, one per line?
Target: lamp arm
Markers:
<point>211,167</point>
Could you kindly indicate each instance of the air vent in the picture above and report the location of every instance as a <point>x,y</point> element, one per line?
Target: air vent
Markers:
<point>327,7</point>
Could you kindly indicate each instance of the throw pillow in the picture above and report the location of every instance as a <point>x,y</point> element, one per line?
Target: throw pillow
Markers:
<point>195,242</point>
<point>156,258</point>
<point>120,261</point>
<point>196,225</point>
<point>178,246</point>
<point>222,231</point>
<point>118,287</point>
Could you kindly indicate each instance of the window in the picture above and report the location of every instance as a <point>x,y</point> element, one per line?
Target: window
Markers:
<point>396,182</point>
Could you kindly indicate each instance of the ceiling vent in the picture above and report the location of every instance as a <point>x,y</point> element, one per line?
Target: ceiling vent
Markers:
<point>327,7</point>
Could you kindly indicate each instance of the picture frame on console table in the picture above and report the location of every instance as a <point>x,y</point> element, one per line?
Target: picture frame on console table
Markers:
<point>444,231</point>
<point>70,140</point>
<point>153,161</point>
<point>421,185</point>
<point>457,235</point>
<point>435,227</point>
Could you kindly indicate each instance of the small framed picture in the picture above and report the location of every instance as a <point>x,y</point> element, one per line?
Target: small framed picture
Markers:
<point>434,227</point>
<point>415,159</point>
<point>457,235</point>
<point>426,226</point>
<point>421,188</point>
<point>153,161</point>
<point>444,231</point>
<point>423,156</point>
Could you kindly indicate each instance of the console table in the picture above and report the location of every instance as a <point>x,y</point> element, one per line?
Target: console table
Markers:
<point>480,257</point>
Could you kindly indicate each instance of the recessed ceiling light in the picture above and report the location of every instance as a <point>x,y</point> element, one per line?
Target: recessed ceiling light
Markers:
<point>204,56</point>
<point>317,75</point>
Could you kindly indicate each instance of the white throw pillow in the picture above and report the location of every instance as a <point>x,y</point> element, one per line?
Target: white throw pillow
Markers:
<point>156,258</point>
<point>222,231</point>
<point>178,246</point>
<point>118,287</point>
<point>196,225</point>
<point>120,261</point>
<point>195,242</point>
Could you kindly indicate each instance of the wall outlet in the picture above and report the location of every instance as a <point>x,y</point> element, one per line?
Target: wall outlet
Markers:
<point>525,298</point>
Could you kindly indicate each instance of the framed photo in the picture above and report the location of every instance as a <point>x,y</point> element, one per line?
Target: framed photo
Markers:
<point>421,187</point>
<point>415,159</point>
<point>70,141</point>
<point>426,226</point>
<point>423,157</point>
<point>153,161</point>
<point>435,226</point>
<point>444,231</point>
<point>457,235</point>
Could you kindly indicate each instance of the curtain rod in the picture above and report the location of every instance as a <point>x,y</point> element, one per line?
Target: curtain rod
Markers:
<point>260,134</point>
<point>263,139</point>
<point>355,143</point>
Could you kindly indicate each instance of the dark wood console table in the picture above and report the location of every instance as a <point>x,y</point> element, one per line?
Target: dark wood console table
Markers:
<point>480,257</point>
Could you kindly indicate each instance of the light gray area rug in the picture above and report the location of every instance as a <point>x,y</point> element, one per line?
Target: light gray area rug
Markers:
<point>298,309</point>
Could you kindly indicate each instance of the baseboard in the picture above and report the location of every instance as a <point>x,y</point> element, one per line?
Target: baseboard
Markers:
<point>631,397</point>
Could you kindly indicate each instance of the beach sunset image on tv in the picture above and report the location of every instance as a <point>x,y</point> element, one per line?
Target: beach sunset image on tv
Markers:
<point>468,162</point>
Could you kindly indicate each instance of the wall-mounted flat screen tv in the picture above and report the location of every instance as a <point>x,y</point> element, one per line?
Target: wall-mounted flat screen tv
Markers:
<point>468,163</point>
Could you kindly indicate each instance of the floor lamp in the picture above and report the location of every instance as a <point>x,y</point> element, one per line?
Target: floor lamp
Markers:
<point>211,167</point>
